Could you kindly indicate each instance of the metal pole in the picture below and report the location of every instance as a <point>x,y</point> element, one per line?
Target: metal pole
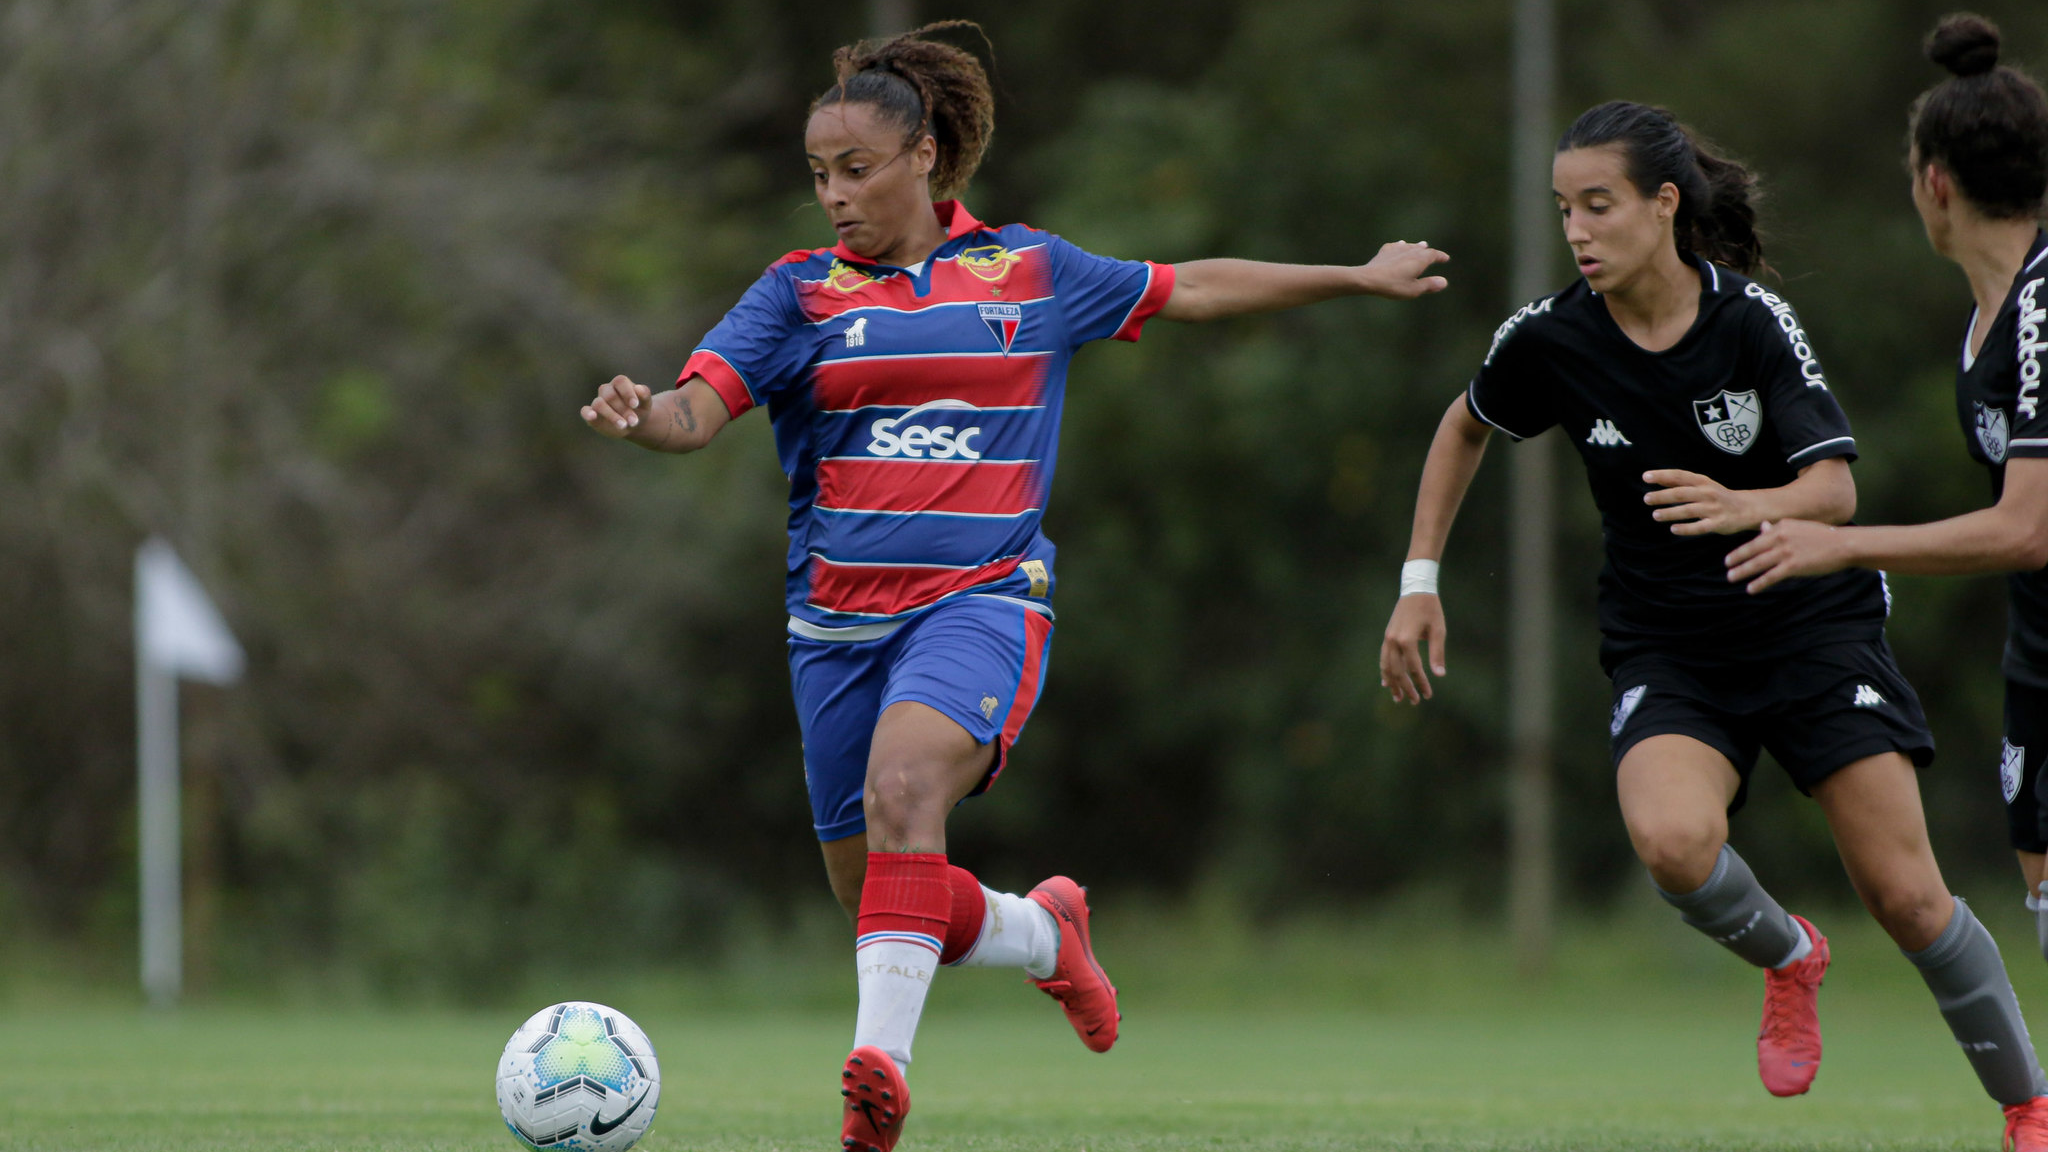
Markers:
<point>1532,516</point>
<point>156,726</point>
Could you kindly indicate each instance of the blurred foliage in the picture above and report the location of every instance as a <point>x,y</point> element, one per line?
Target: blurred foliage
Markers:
<point>315,290</point>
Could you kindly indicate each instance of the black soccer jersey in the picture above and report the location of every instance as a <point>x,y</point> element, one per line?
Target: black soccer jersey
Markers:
<point>1998,398</point>
<point>1740,398</point>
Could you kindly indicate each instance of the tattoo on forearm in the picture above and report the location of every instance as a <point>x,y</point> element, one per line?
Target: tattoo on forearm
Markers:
<point>684,418</point>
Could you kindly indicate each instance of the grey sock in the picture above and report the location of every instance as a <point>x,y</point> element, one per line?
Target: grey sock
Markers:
<point>1967,976</point>
<point>2038,905</point>
<point>1736,912</point>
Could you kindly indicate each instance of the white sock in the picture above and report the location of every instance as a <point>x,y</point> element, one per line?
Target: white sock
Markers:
<point>1799,951</point>
<point>895,971</point>
<point>1016,932</point>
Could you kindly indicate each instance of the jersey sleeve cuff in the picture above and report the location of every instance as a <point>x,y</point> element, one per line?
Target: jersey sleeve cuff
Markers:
<point>2027,448</point>
<point>1844,446</point>
<point>723,378</point>
<point>1472,406</point>
<point>1158,290</point>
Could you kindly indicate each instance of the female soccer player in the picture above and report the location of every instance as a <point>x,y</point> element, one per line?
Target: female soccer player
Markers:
<point>1979,156</point>
<point>914,374</point>
<point>1693,396</point>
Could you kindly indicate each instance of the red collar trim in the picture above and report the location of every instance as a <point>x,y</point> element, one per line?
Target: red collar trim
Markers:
<point>953,216</point>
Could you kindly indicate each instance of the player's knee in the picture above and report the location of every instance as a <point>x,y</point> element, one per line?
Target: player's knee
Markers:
<point>1680,855</point>
<point>903,793</point>
<point>1912,915</point>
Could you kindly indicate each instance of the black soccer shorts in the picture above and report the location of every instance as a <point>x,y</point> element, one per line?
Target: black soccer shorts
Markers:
<point>2019,765</point>
<point>1817,711</point>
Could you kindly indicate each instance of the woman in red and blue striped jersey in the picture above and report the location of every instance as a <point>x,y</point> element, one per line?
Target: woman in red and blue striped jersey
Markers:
<point>914,373</point>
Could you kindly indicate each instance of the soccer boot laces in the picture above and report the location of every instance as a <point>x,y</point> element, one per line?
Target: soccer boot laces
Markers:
<point>2026,1126</point>
<point>1788,1043</point>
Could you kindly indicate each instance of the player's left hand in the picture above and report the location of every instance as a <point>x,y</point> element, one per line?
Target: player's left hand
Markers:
<point>1397,272</point>
<point>1785,549</point>
<point>1696,505</point>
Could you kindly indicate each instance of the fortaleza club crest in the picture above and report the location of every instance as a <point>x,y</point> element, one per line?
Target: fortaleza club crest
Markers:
<point>1002,320</point>
<point>1994,431</point>
<point>1731,420</point>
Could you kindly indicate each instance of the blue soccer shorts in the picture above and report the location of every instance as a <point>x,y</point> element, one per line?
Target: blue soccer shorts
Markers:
<point>978,659</point>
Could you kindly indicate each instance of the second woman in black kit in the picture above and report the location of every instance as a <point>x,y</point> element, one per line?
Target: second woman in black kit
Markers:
<point>1696,401</point>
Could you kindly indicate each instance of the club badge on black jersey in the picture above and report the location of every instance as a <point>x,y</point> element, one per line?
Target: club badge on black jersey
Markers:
<point>1730,420</point>
<point>1994,431</point>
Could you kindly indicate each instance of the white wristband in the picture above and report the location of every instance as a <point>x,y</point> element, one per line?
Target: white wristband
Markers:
<point>1418,577</point>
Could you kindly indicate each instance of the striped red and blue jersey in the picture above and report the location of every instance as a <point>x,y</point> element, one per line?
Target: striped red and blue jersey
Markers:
<point>917,414</point>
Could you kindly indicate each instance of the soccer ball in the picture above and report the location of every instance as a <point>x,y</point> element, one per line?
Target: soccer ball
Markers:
<point>578,1075</point>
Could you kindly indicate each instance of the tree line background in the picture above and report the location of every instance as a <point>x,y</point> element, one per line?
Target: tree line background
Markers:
<point>315,291</point>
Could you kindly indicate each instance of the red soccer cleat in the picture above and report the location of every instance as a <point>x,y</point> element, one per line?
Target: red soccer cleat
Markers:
<point>2026,1126</point>
<point>1077,981</point>
<point>877,1101</point>
<point>1788,1044</point>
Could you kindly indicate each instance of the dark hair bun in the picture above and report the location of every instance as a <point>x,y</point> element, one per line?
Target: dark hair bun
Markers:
<point>1964,43</point>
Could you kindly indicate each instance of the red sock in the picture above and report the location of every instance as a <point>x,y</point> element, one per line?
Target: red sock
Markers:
<point>970,908</point>
<point>906,897</point>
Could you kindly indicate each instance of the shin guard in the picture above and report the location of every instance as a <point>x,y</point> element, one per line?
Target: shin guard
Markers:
<point>1967,976</point>
<point>1736,913</point>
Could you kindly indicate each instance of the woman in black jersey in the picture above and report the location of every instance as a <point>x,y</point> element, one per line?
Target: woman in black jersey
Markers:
<point>1979,157</point>
<point>1694,398</point>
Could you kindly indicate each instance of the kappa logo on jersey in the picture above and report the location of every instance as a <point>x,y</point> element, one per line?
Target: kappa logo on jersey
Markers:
<point>2012,764</point>
<point>1866,697</point>
<point>1625,708</point>
<point>858,334</point>
<point>904,436</point>
<point>1795,336</point>
<point>2032,316</point>
<point>1002,320</point>
<point>1994,431</point>
<point>991,263</point>
<point>1606,435</point>
<point>1731,420</point>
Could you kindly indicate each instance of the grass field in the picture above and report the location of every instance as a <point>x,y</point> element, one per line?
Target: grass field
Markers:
<point>1643,1041</point>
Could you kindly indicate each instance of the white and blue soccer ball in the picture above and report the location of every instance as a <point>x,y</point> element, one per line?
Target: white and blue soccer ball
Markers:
<point>578,1076</point>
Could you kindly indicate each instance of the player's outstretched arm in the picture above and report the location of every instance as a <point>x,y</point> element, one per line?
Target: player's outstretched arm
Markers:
<point>1214,289</point>
<point>2009,536</point>
<point>1418,619</point>
<point>681,420</point>
<point>1696,505</point>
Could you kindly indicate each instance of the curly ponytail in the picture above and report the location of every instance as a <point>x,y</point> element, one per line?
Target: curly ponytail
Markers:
<point>1717,195</point>
<point>926,87</point>
<point>1987,123</point>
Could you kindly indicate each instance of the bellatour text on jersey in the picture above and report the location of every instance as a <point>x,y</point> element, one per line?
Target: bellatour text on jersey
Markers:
<point>2031,316</point>
<point>1500,334</point>
<point>1795,335</point>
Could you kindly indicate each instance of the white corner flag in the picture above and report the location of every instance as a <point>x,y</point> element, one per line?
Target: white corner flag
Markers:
<point>178,632</point>
<point>177,628</point>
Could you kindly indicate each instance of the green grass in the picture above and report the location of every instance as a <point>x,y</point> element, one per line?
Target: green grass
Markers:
<point>1319,1038</point>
